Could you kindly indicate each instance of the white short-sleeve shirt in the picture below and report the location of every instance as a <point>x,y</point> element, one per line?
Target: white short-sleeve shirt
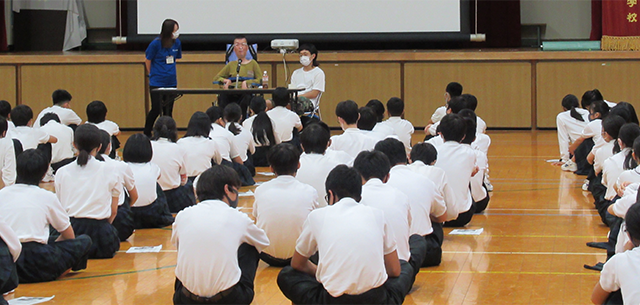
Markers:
<point>601,154</point>
<point>243,141</point>
<point>439,178</point>
<point>63,149</point>
<point>478,192</point>
<point>207,236</point>
<point>309,80</point>
<point>11,239</point>
<point>284,121</point>
<point>225,141</point>
<point>110,127</point>
<point>439,114</point>
<point>458,161</point>
<point>127,180</point>
<point>622,205</point>
<point>7,161</point>
<point>30,137</point>
<point>622,272</point>
<point>248,125</point>
<point>29,210</point>
<point>348,264</point>
<point>352,141</point>
<point>66,115</point>
<point>611,170</point>
<point>198,153</point>
<point>570,129</point>
<point>385,129</point>
<point>594,130</point>
<point>281,206</point>
<point>86,191</point>
<point>403,129</point>
<point>314,169</point>
<point>146,176</point>
<point>423,197</point>
<point>170,158</point>
<point>396,208</point>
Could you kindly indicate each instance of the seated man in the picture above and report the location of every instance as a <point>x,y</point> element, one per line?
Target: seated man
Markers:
<point>217,245</point>
<point>284,120</point>
<point>310,77</point>
<point>352,140</point>
<point>357,249</point>
<point>62,107</point>
<point>29,211</point>
<point>7,155</point>
<point>62,151</point>
<point>282,204</point>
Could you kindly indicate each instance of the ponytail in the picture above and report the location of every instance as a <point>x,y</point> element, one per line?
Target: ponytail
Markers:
<point>574,114</point>
<point>570,102</point>
<point>233,127</point>
<point>83,157</point>
<point>165,127</point>
<point>262,130</point>
<point>629,162</point>
<point>628,134</point>
<point>232,113</point>
<point>86,138</point>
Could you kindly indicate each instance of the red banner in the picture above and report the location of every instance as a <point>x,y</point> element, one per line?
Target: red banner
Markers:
<point>620,18</point>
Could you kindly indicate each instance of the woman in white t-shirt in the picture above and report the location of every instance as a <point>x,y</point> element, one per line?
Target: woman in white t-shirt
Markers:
<point>242,137</point>
<point>310,77</point>
<point>151,209</point>
<point>570,122</point>
<point>581,149</point>
<point>170,158</point>
<point>199,149</point>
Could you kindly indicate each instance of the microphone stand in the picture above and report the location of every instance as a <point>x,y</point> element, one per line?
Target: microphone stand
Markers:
<point>238,72</point>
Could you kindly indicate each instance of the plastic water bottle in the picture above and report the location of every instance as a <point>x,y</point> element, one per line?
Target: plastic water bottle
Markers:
<point>265,80</point>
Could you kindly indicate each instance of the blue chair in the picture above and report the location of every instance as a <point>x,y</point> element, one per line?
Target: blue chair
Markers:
<point>230,54</point>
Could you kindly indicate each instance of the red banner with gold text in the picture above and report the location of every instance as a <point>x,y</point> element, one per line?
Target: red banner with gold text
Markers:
<point>620,25</point>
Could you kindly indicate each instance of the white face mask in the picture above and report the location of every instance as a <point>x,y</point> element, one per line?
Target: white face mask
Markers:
<point>176,34</point>
<point>305,60</point>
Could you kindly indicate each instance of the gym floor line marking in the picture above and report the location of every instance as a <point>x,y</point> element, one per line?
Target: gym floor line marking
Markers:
<point>510,272</point>
<point>532,214</point>
<point>532,236</point>
<point>560,209</point>
<point>117,273</point>
<point>523,253</point>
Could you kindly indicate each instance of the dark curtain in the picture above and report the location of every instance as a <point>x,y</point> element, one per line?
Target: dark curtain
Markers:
<point>596,20</point>
<point>3,29</point>
<point>500,20</point>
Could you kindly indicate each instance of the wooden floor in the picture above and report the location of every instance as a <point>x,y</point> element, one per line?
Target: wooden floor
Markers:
<point>531,251</point>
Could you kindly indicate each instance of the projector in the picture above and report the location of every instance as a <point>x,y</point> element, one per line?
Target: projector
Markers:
<point>284,44</point>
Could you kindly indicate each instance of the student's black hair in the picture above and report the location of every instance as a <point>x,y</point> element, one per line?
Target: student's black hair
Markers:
<point>378,108</point>
<point>4,125</point>
<point>570,102</point>
<point>284,159</point>
<point>453,127</point>
<point>372,164</point>
<point>214,113</point>
<point>212,181</point>
<point>5,109</point>
<point>49,116</point>
<point>199,125</point>
<point>367,118</point>
<point>632,218</point>
<point>456,104</point>
<point>599,107</point>
<point>344,182</point>
<point>394,150</point>
<point>31,166</point>
<point>626,111</point>
<point>105,141</point>
<point>348,111</point>
<point>589,97</point>
<point>258,104</point>
<point>611,125</point>
<point>233,114</point>
<point>472,101</point>
<point>628,133</point>
<point>454,89</point>
<point>96,112</point>
<point>21,115</point>
<point>165,127</point>
<point>395,106</point>
<point>280,97</point>
<point>138,149</point>
<point>166,32</point>
<point>425,152</point>
<point>86,139</point>
<point>61,96</point>
<point>470,119</point>
<point>636,149</point>
<point>312,49</point>
<point>314,139</point>
<point>261,128</point>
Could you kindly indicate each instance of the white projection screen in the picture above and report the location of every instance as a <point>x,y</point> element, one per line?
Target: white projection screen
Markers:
<point>318,20</point>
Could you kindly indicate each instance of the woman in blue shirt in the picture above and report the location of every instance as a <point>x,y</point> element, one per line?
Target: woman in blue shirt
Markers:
<point>161,56</point>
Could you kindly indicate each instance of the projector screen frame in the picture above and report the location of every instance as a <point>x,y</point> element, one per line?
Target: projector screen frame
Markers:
<point>351,37</point>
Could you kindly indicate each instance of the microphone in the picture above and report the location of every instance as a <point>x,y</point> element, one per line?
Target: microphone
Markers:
<point>239,63</point>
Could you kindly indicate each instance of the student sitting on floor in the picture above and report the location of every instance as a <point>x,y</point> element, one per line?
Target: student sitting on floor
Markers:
<point>374,168</point>
<point>89,190</point>
<point>200,151</point>
<point>10,248</point>
<point>459,163</point>
<point>170,158</point>
<point>479,192</point>
<point>452,90</point>
<point>367,122</point>
<point>402,128</point>
<point>591,138</point>
<point>217,245</point>
<point>30,137</point>
<point>29,211</point>
<point>379,110</point>
<point>454,105</point>
<point>570,123</point>
<point>284,120</point>
<point>316,161</point>
<point>97,115</point>
<point>7,155</point>
<point>5,112</point>
<point>262,130</point>
<point>423,158</point>
<point>62,107</point>
<point>425,201</point>
<point>62,152</point>
<point>227,146</point>
<point>151,209</point>
<point>352,140</point>
<point>619,278</point>
<point>282,204</point>
<point>129,195</point>
<point>358,257</point>
<point>242,138</point>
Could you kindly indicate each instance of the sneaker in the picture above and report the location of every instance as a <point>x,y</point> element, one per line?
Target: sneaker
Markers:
<point>569,166</point>
<point>49,177</point>
<point>487,183</point>
<point>585,185</point>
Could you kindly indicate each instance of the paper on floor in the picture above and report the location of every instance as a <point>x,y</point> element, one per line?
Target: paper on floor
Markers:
<point>30,300</point>
<point>466,232</point>
<point>147,249</point>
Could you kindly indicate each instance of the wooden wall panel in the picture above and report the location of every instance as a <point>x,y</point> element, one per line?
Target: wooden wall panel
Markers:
<point>616,80</point>
<point>120,86</point>
<point>355,81</point>
<point>198,76</point>
<point>8,84</point>
<point>503,90</point>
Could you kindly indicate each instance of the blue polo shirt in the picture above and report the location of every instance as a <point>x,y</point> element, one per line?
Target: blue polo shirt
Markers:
<point>163,74</point>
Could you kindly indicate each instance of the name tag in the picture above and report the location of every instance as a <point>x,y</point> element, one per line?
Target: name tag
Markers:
<point>170,60</point>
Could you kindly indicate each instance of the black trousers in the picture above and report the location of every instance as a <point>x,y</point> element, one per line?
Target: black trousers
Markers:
<point>160,105</point>
<point>463,218</point>
<point>243,100</point>
<point>302,288</point>
<point>580,155</point>
<point>56,166</point>
<point>274,261</point>
<point>260,156</point>
<point>433,255</point>
<point>242,292</point>
<point>8,271</point>
<point>418,250</point>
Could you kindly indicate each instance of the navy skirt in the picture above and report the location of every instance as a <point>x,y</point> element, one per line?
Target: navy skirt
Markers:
<point>181,197</point>
<point>124,220</point>
<point>104,236</point>
<point>154,215</point>
<point>46,262</point>
<point>8,271</point>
